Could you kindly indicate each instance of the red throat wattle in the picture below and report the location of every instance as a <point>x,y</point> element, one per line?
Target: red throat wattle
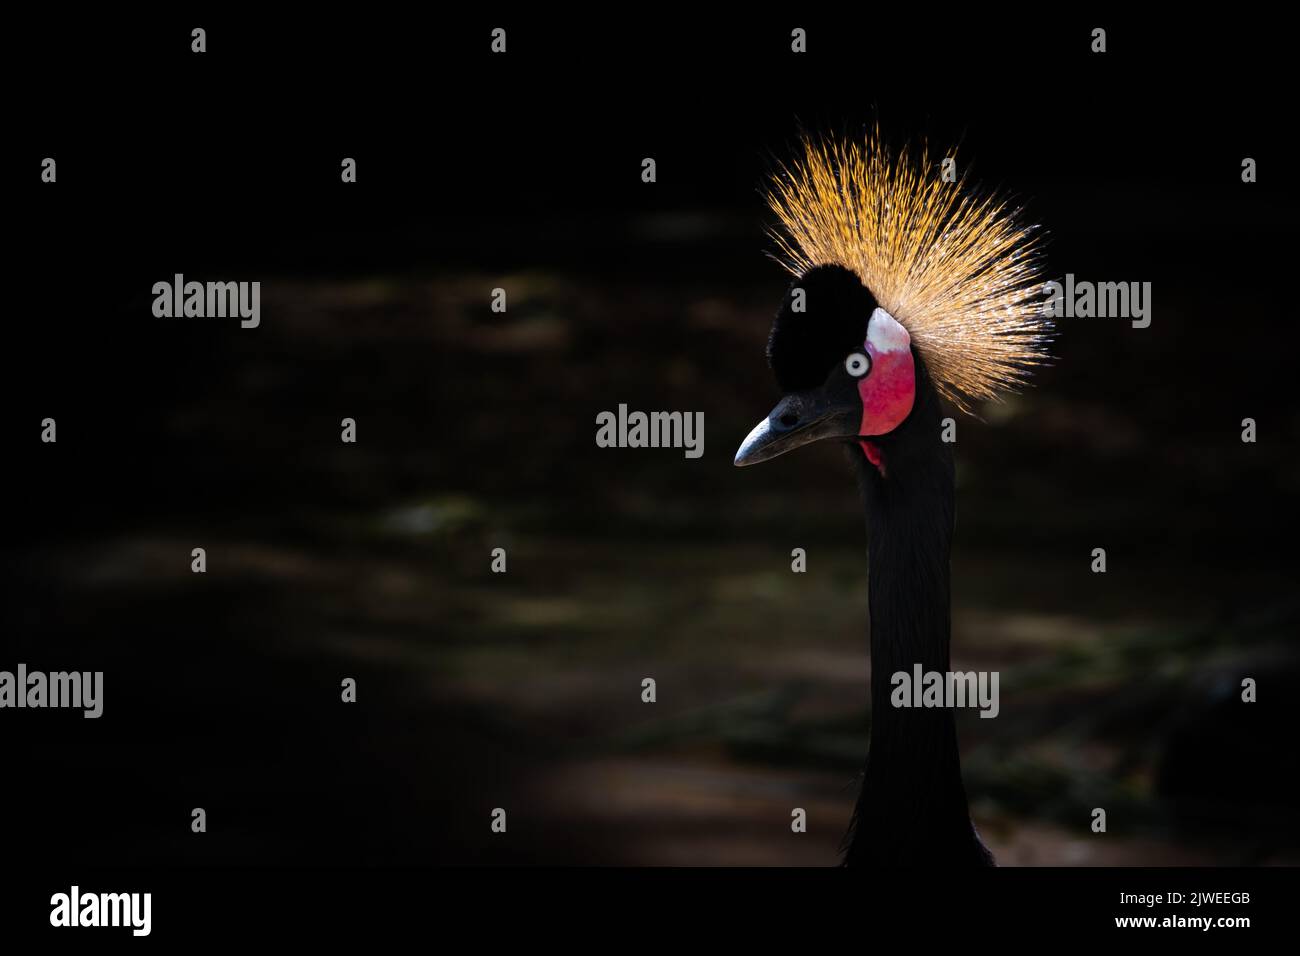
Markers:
<point>872,451</point>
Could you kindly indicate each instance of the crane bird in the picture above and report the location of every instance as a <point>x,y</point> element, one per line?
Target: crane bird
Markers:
<point>910,289</point>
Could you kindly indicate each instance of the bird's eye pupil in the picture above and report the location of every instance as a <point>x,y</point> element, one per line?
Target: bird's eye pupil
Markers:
<point>857,365</point>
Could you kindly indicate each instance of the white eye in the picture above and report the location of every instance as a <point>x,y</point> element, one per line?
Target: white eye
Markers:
<point>857,364</point>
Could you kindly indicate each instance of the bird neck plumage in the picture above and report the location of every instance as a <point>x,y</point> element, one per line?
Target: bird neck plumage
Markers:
<point>912,809</point>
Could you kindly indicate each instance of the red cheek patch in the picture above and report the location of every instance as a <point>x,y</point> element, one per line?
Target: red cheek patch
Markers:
<point>888,390</point>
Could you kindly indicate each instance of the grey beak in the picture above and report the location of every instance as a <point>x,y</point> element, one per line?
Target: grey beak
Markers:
<point>798,419</point>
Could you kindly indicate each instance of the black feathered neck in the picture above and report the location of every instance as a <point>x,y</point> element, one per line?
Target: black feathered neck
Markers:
<point>912,810</point>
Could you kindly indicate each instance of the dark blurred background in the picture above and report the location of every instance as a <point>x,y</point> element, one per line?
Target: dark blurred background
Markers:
<point>476,430</point>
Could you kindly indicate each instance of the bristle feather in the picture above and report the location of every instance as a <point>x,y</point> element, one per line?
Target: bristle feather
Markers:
<point>958,268</point>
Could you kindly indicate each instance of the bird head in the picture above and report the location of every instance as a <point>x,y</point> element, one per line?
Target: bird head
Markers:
<point>844,363</point>
<point>908,287</point>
